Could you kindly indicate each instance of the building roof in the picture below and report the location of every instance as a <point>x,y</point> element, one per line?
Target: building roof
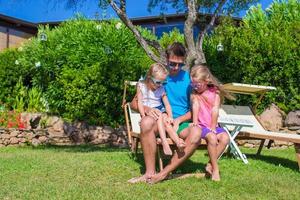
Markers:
<point>18,24</point>
<point>163,19</point>
<point>30,27</point>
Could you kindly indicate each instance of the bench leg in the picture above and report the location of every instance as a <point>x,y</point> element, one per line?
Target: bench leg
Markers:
<point>270,143</point>
<point>160,161</point>
<point>262,143</point>
<point>297,149</point>
<point>134,145</point>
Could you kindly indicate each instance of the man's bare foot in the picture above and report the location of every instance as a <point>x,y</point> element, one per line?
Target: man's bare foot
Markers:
<point>215,176</point>
<point>156,178</point>
<point>167,149</point>
<point>138,179</point>
<point>208,169</point>
<point>180,145</point>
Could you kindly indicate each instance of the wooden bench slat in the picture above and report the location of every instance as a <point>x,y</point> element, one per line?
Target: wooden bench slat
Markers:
<point>287,137</point>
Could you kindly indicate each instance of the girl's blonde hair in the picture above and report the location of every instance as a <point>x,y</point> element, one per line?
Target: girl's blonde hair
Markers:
<point>202,73</point>
<point>155,70</point>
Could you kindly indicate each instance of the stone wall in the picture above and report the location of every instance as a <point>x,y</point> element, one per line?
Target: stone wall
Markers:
<point>53,130</point>
<point>42,129</point>
<point>80,133</point>
<point>16,137</point>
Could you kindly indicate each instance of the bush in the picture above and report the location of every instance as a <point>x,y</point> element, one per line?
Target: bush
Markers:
<point>81,68</point>
<point>171,37</point>
<point>10,73</point>
<point>264,51</point>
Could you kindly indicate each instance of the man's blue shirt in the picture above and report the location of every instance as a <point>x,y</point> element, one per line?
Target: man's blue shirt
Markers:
<point>178,92</point>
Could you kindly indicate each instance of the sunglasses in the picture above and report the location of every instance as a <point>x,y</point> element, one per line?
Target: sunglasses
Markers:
<point>174,64</point>
<point>197,86</point>
<point>157,82</point>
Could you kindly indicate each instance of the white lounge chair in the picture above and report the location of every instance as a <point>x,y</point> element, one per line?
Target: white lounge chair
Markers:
<point>245,114</point>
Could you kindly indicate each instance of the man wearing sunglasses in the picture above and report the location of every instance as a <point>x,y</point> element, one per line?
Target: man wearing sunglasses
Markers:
<point>178,91</point>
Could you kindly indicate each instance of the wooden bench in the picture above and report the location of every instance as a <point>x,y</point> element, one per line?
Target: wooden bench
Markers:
<point>286,137</point>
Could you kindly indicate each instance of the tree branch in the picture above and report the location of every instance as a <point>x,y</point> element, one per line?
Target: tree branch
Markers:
<point>189,32</point>
<point>137,34</point>
<point>155,44</point>
<point>208,26</point>
<point>123,5</point>
<point>189,24</point>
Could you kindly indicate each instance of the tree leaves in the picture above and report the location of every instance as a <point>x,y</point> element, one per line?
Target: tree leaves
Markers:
<point>264,50</point>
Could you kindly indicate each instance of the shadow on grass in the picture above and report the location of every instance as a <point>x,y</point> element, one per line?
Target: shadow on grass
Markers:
<point>188,166</point>
<point>82,148</point>
<point>283,162</point>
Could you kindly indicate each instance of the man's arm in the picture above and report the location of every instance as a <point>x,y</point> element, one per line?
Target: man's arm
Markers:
<point>183,118</point>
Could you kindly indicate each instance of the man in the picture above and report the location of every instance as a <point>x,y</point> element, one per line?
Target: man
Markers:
<point>178,92</point>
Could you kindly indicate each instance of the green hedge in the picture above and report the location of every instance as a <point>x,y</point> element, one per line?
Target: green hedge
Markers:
<point>264,50</point>
<point>11,72</point>
<point>78,72</point>
<point>81,68</point>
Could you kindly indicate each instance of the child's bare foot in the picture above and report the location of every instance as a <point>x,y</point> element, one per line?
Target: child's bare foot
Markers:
<point>208,169</point>
<point>215,176</point>
<point>167,149</point>
<point>144,178</point>
<point>138,179</point>
<point>156,178</point>
<point>180,145</point>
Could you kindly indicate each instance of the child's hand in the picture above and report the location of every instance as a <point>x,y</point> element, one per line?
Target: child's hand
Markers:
<point>213,130</point>
<point>169,120</point>
<point>193,124</point>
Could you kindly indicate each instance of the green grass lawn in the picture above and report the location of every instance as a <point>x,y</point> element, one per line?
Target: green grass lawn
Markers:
<point>89,172</point>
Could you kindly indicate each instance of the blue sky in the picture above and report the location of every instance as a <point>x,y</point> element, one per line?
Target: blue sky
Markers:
<point>48,10</point>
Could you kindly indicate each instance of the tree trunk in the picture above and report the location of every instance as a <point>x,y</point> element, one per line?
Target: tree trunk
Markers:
<point>195,54</point>
<point>194,57</point>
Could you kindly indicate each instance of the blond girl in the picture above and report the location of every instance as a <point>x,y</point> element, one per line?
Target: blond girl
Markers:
<point>151,93</point>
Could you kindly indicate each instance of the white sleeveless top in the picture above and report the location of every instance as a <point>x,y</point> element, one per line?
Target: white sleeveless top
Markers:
<point>151,98</point>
